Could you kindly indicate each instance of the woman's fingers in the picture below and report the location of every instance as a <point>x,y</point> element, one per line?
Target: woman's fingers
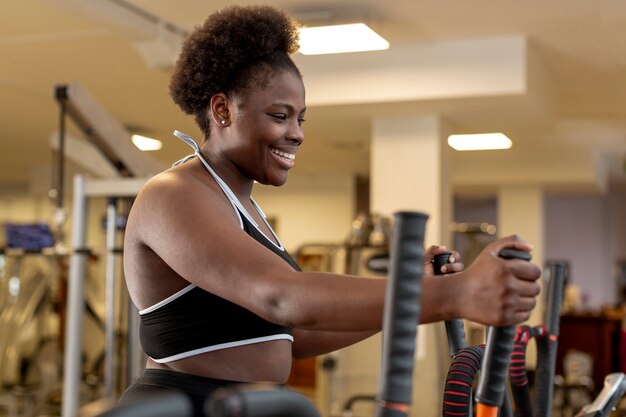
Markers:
<point>429,256</point>
<point>453,262</point>
<point>527,288</point>
<point>524,269</point>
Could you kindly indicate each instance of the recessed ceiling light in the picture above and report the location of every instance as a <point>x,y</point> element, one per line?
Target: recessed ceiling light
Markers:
<point>355,37</point>
<point>479,142</point>
<point>146,144</point>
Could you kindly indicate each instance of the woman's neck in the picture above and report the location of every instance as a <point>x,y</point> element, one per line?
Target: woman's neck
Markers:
<point>239,184</point>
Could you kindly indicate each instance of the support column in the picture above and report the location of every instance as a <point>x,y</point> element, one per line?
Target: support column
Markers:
<point>409,172</point>
<point>521,212</point>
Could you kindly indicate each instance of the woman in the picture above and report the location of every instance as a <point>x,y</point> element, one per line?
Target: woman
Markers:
<point>220,300</point>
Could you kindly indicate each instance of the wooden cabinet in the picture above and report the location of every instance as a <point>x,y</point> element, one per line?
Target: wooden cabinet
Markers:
<point>596,335</point>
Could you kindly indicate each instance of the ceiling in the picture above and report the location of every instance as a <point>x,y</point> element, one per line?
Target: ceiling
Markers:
<point>577,118</point>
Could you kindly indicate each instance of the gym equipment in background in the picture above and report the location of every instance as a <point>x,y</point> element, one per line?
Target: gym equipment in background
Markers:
<point>605,402</point>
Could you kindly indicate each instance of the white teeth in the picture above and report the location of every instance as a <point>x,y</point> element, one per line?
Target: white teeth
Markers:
<point>285,155</point>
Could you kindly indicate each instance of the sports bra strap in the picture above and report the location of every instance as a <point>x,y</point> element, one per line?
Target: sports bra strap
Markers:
<point>188,140</point>
<point>234,201</point>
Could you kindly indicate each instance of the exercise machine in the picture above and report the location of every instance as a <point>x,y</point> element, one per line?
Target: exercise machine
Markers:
<point>505,352</point>
<point>108,140</point>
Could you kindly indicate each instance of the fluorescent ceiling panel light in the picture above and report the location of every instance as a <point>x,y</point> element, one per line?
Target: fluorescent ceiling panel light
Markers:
<point>146,144</point>
<point>479,142</point>
<point>337,39</point>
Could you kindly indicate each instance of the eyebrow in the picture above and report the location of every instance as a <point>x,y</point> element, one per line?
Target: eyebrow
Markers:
<point>288,107</point>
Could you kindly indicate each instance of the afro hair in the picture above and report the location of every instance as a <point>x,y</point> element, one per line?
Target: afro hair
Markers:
<point>226,53</point>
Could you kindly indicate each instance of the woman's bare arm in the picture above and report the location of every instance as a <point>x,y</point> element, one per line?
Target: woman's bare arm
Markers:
<point>194,230</point>
<point>195,233</point>
<point>310,343</point>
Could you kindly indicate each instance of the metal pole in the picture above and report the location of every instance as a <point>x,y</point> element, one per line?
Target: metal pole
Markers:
<point>60,93</point>
<point>136,358</point>
<point>109,327</point>
<point>75,303</point>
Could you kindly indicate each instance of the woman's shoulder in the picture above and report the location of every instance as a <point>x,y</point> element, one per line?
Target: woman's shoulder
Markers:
<point>180,191</point>
<point>177,182</point>
<point>176,196</point>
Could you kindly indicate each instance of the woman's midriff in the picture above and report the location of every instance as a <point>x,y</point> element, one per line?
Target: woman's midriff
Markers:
<point>259,362</point>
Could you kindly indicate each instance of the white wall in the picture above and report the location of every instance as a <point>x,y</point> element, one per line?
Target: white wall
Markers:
<point>19,206</point>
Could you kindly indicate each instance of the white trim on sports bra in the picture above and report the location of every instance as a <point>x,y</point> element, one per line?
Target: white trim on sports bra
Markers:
<point>167,300</point>
<point>282,336</point>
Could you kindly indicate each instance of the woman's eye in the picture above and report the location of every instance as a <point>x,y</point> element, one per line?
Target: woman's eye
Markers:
<point>279,116</point>
<point>301,121</point>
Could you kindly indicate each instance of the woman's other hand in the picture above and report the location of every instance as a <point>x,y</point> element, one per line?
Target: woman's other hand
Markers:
<point>454,263</point>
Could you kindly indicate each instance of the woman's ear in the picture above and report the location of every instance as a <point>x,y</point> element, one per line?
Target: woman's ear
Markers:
<point>219,111</point>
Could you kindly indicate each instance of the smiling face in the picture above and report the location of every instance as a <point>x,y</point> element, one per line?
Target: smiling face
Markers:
<point>265,129</point>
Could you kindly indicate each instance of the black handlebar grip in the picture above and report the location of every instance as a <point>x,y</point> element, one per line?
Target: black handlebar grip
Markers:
<point>455,330</point>
<point>548,344</point>
<point>256,402</point>
<point>492,382</point>
<point>401,314</point>
<point>440,260</point>
<point>508,253</point>
<point>493,372</point>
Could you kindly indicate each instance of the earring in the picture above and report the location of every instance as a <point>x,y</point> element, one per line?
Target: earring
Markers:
<point>223,122</point>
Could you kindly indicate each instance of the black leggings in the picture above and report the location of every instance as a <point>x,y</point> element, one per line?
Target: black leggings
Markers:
<point>154,381</point>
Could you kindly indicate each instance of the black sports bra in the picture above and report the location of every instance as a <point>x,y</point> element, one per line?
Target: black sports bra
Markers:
<point>194,321</point>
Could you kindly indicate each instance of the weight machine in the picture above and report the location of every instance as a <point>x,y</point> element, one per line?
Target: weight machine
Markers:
<point>84,190</point>
<point>107,138</point>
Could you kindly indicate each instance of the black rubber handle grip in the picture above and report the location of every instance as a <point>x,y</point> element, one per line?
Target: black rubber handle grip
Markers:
<point>492,381</point>
<point>455,330</point>
<point>547,345</point>
<point>401,313</point>
<point>255,402</point>
<point>509,253</point>
<point>440,260</point>
<point>493,372</point>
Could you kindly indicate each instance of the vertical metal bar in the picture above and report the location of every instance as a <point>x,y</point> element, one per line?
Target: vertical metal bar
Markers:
<point>136,358</point>
<point>547,346</point>
<point>58,182</point>
<point>60,93</point>
<point>75,303</point>
<point>109,326</point>
<point>61,158</point>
